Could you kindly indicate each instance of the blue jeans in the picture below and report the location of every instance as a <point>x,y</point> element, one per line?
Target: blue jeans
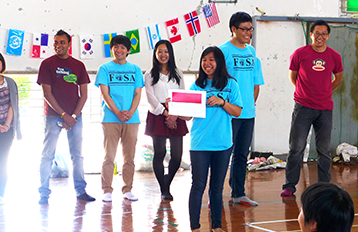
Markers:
<point>302,119</point>
<point>242,137</point>
<point>6,142</point>
<point>201,161</point>
<point>52,132</point>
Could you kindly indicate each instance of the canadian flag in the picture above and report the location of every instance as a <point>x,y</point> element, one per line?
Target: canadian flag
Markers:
<point>173,30</point>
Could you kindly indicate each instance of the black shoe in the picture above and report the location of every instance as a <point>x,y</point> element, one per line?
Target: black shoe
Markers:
<point>86,197</point>
<point>167,196</point>
<point>43,201</point>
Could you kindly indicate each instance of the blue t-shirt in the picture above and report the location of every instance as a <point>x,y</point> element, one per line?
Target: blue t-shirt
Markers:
<point>245,67</point>
<point>122,80</point>
<point>214,133</point>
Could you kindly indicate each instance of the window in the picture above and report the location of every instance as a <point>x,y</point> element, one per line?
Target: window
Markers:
<point>349,6</point>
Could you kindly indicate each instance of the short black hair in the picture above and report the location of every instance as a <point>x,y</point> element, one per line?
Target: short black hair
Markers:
<point>121,39</point>
<point>2,60</point>
<point>329,205</point>
<point>238,18</point>
<point>62,32</point>
<point>320,23</point>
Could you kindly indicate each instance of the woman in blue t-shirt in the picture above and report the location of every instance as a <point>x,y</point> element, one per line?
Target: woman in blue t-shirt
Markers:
<point>211,137</point>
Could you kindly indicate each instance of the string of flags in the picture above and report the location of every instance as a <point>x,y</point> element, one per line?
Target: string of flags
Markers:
<point>41,40</point>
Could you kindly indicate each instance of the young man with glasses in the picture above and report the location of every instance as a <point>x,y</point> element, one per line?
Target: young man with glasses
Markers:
<point>241,62</point>
<point>311,69</point>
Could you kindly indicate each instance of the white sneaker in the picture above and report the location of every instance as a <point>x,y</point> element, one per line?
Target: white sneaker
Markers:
<point>130,196</point>
<point>107,197</point>
<point>2,202</point>
<point>244,200</point>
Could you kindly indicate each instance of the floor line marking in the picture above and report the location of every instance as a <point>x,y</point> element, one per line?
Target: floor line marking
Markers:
<point>257,227</point>
<point>276,221</point>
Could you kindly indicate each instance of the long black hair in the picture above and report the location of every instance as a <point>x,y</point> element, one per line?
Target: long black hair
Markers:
<point>2,60</point>
<point>221,74</point>
<point>173,75</point>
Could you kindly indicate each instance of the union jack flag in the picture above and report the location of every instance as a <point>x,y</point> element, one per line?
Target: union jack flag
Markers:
<point>192,22</point>
<point>211,15</point>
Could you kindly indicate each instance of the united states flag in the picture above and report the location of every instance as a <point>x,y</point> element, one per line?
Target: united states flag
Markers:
<point>211,15</point>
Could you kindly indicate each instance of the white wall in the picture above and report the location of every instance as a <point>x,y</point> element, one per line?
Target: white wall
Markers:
<point>275,41</point>
<point>275,103</point>
<point>106,16</point>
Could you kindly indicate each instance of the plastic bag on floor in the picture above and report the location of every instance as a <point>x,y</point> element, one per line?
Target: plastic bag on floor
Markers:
<point>271,163</point>
<point>59,167</point>
<point>143,162</point>
<point>347,151</point>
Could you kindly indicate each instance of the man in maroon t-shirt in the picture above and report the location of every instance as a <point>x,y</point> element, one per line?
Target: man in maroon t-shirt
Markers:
<point>64,83</point>
<point>311,70</point>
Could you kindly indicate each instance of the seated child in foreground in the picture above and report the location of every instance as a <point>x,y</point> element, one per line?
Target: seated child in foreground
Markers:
<point>326,207</point>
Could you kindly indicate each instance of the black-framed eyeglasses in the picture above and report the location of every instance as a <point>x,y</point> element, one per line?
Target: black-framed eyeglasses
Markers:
<point>251,29</point>
<point>317,34</point>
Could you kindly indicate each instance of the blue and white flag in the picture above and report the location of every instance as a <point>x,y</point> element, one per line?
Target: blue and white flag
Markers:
<point>14,42</point>
<point>153,35</point>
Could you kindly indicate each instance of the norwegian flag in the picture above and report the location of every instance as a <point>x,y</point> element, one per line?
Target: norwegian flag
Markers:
<point>192,22</point>
<point>173,30</point>
<point>211,15</point>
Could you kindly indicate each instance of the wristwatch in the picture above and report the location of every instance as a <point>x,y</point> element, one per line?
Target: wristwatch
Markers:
<point>74,116</point>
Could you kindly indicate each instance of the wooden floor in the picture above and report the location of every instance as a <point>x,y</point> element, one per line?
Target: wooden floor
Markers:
<point>64,213</point>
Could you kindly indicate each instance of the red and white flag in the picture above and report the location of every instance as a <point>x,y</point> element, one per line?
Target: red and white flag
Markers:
<point>188,103</point>
<point>211,15</point>
<point>39,45</point>
<point>70,49</point>
<point>192,22</point>
<point>173,30</point>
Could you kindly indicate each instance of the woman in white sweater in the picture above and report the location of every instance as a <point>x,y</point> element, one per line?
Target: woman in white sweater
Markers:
<point>161,125</point>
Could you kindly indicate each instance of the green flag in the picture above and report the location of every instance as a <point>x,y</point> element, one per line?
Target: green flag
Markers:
<point>134,38</point>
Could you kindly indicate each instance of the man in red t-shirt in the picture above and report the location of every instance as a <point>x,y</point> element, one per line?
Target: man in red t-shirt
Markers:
<point>64,83</point>
<point>311,69</point>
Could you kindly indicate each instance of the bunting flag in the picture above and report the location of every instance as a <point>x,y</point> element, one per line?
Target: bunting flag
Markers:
<point>87,47</point>
<point>39,45</point>
<point>192,22</point>
<point>173,30</point>
<point>134,38</point>
<point>211,15</point>
<point>153,35</point>
<point>106,42</point>
<point>15,42</point>
<point>70,49</point>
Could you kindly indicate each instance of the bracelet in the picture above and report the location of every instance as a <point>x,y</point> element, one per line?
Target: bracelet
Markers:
<point>8,126</point>
<point>63,114</point>
<point>223,104</point>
